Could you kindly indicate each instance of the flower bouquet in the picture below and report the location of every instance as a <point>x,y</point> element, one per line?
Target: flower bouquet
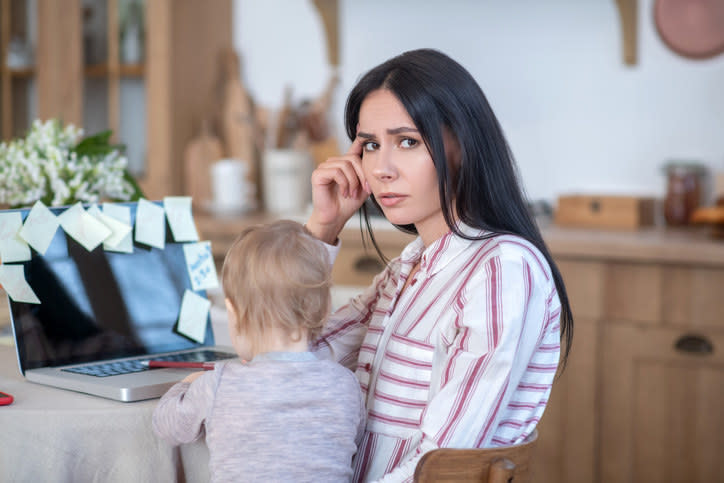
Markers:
<point>56,165</point>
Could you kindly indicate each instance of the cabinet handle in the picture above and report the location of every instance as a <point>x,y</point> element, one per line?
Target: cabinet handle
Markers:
<point>694,344</point>
<point>368,264</point>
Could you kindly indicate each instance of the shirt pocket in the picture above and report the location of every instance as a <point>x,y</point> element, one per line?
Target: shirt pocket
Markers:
<point>402,387</point>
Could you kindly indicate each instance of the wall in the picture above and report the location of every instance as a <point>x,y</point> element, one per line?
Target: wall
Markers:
<point>577,118</point>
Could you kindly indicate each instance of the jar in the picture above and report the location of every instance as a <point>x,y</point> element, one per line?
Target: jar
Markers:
<point>683,191</point>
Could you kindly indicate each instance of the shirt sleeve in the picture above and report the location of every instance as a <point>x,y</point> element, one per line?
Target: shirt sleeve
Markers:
<point>501,319</point>
<point>346,328</point>
<point>180,414</point>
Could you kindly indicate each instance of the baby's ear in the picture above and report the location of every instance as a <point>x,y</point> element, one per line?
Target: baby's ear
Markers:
<point>233,315</point>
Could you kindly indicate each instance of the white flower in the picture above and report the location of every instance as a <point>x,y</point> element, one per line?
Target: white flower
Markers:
<point>44,166</point>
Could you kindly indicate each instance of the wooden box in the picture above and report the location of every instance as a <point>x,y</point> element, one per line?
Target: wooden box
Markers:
<point>617,212</point>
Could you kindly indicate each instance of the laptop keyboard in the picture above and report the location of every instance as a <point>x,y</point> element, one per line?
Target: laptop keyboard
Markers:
<point>115,368</point>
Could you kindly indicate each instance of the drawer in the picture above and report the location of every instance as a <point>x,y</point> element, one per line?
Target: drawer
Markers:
<point>693,297</point>
<point>357,264</point>
<point>633,292</point>
<point>584,285</point>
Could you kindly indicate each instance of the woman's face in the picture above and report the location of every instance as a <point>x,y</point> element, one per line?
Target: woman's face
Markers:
<point>398,166</point>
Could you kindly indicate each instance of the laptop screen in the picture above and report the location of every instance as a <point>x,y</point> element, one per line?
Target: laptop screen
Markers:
<point>101,304</point>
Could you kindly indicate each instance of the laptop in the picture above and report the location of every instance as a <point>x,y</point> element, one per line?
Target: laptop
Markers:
<point>102,314</point>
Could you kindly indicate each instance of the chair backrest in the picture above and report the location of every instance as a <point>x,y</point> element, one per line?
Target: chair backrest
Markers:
<point>487,465</point>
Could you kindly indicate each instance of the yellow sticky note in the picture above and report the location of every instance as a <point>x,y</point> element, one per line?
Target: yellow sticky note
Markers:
<point>150,224</point>
<point>12,278</point>
<point>194,316</point>
<point>39,227</point>
<point>180,219</point>
<point>12,247</point>
<point>119,230</point>
<point>200,264</point>
<point>83,227</point>
<point>122,214</point>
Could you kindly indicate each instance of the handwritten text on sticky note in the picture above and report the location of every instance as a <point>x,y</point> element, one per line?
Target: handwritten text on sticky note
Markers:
<point>200,264</point>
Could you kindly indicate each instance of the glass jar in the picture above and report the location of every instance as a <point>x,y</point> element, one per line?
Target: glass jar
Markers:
<point>683,191</point>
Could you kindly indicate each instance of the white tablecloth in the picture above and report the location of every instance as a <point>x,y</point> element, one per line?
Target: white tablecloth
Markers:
<point>53,435</point>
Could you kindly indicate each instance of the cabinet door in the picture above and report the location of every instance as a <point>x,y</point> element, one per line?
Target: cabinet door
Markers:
<point>566,449</point>
<point>565,452</point>
<point>661,407</point>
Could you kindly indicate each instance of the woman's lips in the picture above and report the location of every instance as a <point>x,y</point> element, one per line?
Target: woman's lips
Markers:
<point>390,199</point>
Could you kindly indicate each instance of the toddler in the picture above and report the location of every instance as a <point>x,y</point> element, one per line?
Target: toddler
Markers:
<point>284,415</point>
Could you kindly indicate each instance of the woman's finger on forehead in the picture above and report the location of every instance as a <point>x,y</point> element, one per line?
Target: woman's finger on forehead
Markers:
<point>356,146</point>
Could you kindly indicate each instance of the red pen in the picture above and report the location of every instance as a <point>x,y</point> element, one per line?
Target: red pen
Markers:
<point>207,366</point>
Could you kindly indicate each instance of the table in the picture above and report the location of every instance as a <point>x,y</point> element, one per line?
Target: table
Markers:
<point>54,435</point>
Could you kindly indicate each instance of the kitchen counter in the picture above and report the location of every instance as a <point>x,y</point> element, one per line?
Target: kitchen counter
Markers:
<point>658,244</point>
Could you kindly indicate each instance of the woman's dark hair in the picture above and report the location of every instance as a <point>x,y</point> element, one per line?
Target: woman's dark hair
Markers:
<point>482,186</point>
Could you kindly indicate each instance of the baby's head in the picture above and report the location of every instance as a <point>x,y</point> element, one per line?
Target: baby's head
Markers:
<point>276,279</point>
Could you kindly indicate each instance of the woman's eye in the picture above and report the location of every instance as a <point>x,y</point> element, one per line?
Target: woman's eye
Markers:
<point>369,146</point>
<point>408,143</point>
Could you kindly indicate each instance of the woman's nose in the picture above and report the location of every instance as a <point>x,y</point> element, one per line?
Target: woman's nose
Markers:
<point>384,168</point>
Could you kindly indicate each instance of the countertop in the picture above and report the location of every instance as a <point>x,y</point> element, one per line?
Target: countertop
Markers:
<point>690,245</point>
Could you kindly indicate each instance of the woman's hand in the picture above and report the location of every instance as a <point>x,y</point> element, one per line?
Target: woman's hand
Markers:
<point>338,190</point>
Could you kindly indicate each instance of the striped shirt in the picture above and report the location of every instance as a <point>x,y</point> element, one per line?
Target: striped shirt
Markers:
<point>465,357</point>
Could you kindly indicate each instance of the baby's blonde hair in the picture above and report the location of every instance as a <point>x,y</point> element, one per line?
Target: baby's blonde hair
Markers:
<point>278,275</point>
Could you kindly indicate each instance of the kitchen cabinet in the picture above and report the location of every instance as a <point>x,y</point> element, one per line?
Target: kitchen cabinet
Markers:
<point>176,77</point>
<point>16,69</point>
<point>641,398</point>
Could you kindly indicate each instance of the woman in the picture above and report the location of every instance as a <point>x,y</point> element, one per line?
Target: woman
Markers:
<point>457,341</point>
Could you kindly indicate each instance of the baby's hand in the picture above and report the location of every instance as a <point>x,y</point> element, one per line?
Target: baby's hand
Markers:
<point>192,377</point>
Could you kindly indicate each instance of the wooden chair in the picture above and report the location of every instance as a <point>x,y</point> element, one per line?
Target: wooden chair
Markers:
<point>485,465</point>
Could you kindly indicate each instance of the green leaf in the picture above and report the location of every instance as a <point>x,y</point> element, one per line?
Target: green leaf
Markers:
<point>97,144</point>
<point>137,192</point>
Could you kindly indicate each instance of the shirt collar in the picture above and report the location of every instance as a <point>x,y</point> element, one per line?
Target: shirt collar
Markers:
<point>285,356</point>
<point>441,252</point>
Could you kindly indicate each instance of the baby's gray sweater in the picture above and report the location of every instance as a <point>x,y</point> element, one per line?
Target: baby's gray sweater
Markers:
<point>280,417</point>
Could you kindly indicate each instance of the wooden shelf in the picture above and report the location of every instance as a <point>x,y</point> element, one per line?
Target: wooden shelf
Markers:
<point>22,73</point>
<point>104,70</point>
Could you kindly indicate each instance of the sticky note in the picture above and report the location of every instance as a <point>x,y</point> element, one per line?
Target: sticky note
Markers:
<point>150,224</point>
<point>178,214</point>
<point>39,227</point>
<point>193,317</point>
<point>122,214</point>
<point>84,228</point>
<point>12,247</point>
<point>119,230</point>
<point>200,264</point>
<point>12,278</point>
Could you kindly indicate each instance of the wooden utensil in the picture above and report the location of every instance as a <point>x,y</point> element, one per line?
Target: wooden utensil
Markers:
<point>238,116</point>
<point>200,153</point>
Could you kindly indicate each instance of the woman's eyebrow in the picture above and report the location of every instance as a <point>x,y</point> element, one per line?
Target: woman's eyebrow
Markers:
<point>396,130</point>
<point>402,129</point>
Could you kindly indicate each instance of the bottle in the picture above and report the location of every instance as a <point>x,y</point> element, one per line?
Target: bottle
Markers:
<point>683,191</point>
